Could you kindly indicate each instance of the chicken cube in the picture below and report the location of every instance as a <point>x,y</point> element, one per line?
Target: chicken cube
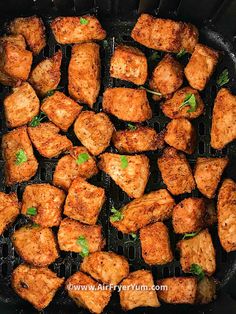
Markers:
<point>17,40</point>
<point>61,110</point>
<point>206,290</point>
<point>94,130</point>
<point>115,102</point>
<point>9,210</point>
<point>207,174</point>
<point>201,66</point>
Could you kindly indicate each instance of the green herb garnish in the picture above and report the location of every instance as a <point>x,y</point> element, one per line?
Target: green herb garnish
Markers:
<point>181,53</point>
<point>132,127</point>
<point>32,211</point>
<point>190,235</point>
<point>84,246</point>
<point>21,157</point>
<point>133,235</point>
<point>189,100</point>
<point>83,157</point>
<point>34,225</point>
<point>117,215</point>
<point>223,78</point>
<point>83,21</point>
<point>124,162</point>
<point>37,119</point>
<point>155,56</point>
<point>197,270</point>
<point>150,91</point>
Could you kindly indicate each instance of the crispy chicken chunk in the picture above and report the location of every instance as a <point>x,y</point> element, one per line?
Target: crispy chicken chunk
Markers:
<point>84,73</point>
<point>46,75</point>
<point>77,163</point>
<point>21,106</point>
<point>115,102</point>
<point>9,209</point>
<point>227,215</point>
<point>132,296</point>
<point>206,290</point>
<point>201,66</point>
<point>94,130</point>
<point>130,173</point>
<point>176,172</point>
<point>207,174</point>
<point>74,29</point>
<point>17,40</point>
<point>198,250</point>
<point>129,64</point>
<point>36,285</point>
<point>107,267</point>
<point>35,245</point>
<point>48,141</point>
<point>20,163</point>
<point>223,129</point>
<point>61,110</point>
<point>43,204</point>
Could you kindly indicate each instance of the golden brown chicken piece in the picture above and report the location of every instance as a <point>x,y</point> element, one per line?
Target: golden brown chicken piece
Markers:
<point>172,107</point>
<point>206,290</point>
<point>176,172</point>
<point>181,134</point>
<point>115,102</point>
<point>35,245</point>
<point>35,285</point>
<point>198,250</point>
<point>140,139</point>
<point>106,267</point>
<point>130,173</point>
<point>84,73</point>
<point>9,210</point>
<point>207,174</point>
<point>20,163</point>
<point>17,40</point>
<point>155,244</point>
<point>77,163</point>
<point>94,130</point>
<point>189,215</point>
<point>223,129</point>
<point>165,34</point>
<point>74,29</point>
<point>201,66</point>
<point>227,215</point>
<point>71,231</point>
<point>33,30</point>
<point>155,206</point>
<point>84,201</point>
<point>46,76</point>
<point>88,295</point>
<point>21,106</point>
<point>131,298</point>
<point>43,204</point>
<point>48,141</point>
<point>179,290</point>
<point>130,64</point>
<point>61,110</point>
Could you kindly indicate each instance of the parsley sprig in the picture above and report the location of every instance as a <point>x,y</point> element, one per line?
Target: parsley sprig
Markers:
<point>190,235</point>
<point>37,119</point>
<point>133,235</point>
<point>197,270</point>
<point>151,91</point>
<point>83,21</point>
<point>32,211</point>
<point>189,100</point>
<point>82,158</point>
<point>223,78</point>
<point>21,157</point>
<point>181,53</point>
<point>124,162</point>
<point>132,127</point>
<point>82,241</point>
<point>117,215</point>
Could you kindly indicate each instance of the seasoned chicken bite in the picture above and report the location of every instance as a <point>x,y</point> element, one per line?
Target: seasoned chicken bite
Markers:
<point>33,30</point>
<point>176,172</point>
<point>9,209</point>
<point>48,141</point>
<point>198,250</point>
<point>129,64</point>
<point>155,206</point>
<point>78,163</point>
<point>165,34</point>
<point>206,290</point>
<point>35,245</point>
<point>17,40</point>
<point>84,73</point>
<point>133,296</point>
<point>207,174</point>
<point>188,215</point>
<point>226,213</point>
<point>107,267</point>
<point>73,236</point>
<point>179,290</point>
<point>140,139</point>
<point>61,110</point>
<point>127,104</point>
<point>155,244</point>
<point>46,75</point>
<point>35,285</point>
<point>130,173</point>
<point>20,163</point>
<point>43,204</point>
<point>94,130</point>
<point>201,66</point>
<point>86,293</point>
<point>223,129</point>
<point>173,108</point>
<point>75,29</point>
<point>21,106</point>
<point>84,201</point>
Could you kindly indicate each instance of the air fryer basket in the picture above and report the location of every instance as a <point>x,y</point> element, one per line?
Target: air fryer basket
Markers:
<point>216,22</point>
